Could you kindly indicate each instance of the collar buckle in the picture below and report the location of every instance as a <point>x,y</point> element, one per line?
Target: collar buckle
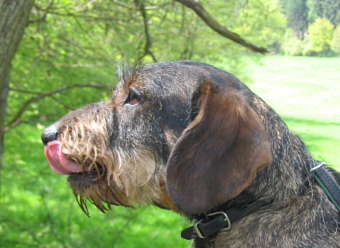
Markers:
<point>226,220</point>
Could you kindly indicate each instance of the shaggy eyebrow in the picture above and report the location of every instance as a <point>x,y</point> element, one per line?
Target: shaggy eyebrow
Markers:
<point>127,73</point>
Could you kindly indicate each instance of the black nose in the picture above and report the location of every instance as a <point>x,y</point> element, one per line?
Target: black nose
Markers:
<point>49,134</point>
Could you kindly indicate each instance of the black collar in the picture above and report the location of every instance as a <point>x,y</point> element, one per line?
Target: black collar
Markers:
<point>326,181</point>
<point>222,217</point>
<point>219,218</point>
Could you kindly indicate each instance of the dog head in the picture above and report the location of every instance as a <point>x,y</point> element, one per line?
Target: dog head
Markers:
<point>181,135</point>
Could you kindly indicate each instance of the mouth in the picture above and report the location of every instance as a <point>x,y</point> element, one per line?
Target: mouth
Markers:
<point>80,179</point>
<point>58,161</point>
<point>61,164</point>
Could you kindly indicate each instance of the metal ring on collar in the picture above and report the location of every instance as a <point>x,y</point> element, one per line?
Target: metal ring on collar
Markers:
<point>317,166</point>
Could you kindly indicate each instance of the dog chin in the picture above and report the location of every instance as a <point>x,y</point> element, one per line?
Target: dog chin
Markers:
<point>82,181</point>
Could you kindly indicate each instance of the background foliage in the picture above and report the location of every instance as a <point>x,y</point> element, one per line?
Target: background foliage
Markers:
<point>313,23</point>
<point>69,42</point>
<point>336,40</point>
<point>320,35</point>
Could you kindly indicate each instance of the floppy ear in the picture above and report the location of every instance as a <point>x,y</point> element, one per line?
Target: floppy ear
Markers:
<point>218,154</point>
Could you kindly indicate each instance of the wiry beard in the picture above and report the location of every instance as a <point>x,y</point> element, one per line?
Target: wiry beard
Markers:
<point>111,175</point>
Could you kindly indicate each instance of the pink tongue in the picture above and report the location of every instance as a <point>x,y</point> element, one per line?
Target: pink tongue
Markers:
<point>59,163</point>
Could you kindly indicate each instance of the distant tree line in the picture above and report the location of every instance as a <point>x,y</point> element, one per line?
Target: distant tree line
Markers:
<point>314,27</point>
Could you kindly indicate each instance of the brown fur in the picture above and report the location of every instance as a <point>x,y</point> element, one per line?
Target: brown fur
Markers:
<point>220,151</point>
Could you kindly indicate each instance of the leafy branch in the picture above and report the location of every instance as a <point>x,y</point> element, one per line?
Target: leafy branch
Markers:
<point>217,27</point>
<point>41,95</point>
<point>148,40</point>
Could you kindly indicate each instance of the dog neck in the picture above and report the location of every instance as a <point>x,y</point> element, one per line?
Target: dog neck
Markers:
<point>289,171</point>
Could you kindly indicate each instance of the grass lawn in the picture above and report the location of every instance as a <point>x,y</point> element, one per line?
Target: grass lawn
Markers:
<point>305,91</point>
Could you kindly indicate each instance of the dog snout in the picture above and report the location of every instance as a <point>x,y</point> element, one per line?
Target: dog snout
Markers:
<point>50,133</point>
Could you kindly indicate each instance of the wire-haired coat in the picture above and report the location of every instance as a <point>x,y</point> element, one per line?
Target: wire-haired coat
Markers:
<point>189,137</point>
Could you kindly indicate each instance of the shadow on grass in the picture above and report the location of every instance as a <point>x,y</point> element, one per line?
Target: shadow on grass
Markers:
<point>321,137</point>
<point>308,122</point>
<point>320,131</point>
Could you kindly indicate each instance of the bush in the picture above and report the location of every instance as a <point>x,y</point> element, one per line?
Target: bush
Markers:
<point>320,37</point>
<point>291,44</point>
<point>335,45</point>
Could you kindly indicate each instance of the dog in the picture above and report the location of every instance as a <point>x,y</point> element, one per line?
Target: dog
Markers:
<point>191,138</point>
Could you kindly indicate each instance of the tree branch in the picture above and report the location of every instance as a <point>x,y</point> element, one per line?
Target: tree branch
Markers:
<point>148,39</point>
<point>67,107</point>
<point>77,14</point>
<point>25,91</point>
<point>16,119</point>
<point>217,27</point>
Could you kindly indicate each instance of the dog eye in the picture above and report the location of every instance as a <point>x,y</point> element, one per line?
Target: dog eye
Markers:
<point>133,97</point>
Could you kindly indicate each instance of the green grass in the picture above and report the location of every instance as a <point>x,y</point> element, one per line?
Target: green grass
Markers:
<point>37,208</point>
<point>305,91</point>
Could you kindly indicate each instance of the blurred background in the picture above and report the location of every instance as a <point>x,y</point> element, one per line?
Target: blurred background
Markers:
<point>57,55</point>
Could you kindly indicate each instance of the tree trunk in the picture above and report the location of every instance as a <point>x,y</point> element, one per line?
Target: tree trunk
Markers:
<point>13,20</point>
